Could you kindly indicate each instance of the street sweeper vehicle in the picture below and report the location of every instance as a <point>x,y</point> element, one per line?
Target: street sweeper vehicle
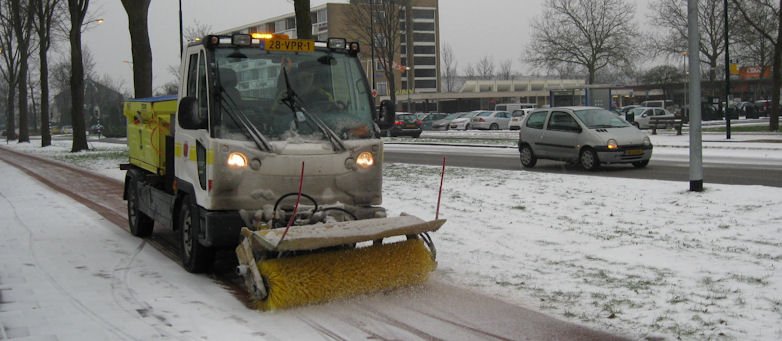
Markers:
<point>272,148</point>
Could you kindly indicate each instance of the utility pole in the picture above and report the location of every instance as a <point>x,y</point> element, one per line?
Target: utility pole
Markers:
<point>181,43</point>
<point>696,140</point>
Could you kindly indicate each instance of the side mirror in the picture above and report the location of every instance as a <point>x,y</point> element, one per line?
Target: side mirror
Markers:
<point>187,114</point>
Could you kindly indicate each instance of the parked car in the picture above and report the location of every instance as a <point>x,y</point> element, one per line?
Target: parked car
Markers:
<point>443,123</point>
<point>492,120</point>
<point>588,136</point>
<point>513,106</point>
<point>748,110</point>
<point>763,107</point>
<point>463,122</point>
<point>405,125</point>
<point>641,116</point>
<point>517,116</point>
<point>427,119</point>
<point>67,130</point>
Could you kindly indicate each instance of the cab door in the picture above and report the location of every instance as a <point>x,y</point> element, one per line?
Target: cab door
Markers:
<point>191,146</point>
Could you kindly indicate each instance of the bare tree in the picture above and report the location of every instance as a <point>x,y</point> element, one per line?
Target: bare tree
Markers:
<point>197,31</point>
<point>671,16</point>
<point>590,34</point>
<point>385,26</point>
<point>484,68</point>
<point>769,12</point>
<point>10,69</point>
<point>140,49</point>
<point>22,20</point>
<point>663,76</point>
<point>449,67</point>
<point>77,9</point>
<point>47,14</point>
<point>469,71</point>
<point>505,71</point>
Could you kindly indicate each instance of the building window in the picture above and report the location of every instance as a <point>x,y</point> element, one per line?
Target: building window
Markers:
<point>423,14</point>
<point>403,61</point>
<point>425,73</point>
<point>423,26</point>
<point>424,60</point>
<point>424,49</point>
<point>378,65</point>
<point>382,88</point>
<point>425,84</point>
<point>279,26</point>
<point>290,23</point>
<point>403,49</point>
<point>423,37</point>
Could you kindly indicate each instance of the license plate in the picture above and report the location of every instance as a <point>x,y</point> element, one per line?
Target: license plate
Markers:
<point>290,45</point>
<point>634,152</point>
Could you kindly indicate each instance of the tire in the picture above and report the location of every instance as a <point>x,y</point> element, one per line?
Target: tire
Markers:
<point>637,125</point>
<point>494,126</point>
<point>196,258</point>
<point>640,164</point>
<point>466,127</point>
<point>140,224</point>
<point>416,136</point>
<point>588,159</point>
<point>527,156</point>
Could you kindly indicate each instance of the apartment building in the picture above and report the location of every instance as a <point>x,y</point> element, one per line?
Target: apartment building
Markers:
<point>418,57</point>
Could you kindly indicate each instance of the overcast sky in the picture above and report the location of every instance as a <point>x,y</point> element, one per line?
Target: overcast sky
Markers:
<point>498,28</point>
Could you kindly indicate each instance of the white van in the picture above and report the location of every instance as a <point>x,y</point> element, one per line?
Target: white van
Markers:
<point>509,107</point>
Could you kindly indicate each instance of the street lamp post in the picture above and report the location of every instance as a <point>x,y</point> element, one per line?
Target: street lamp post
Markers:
<point>97,21</point>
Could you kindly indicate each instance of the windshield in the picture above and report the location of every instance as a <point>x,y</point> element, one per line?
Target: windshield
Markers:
<point>329,86</point>
<point>600,118</point>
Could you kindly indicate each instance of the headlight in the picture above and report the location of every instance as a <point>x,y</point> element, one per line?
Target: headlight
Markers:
<point>612,144</point>
<point>647,141</point>
<point>236,160</point>
<point>365,160</point>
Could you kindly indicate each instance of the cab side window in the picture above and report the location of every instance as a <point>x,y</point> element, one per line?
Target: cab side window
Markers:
<point>203,94</point>
<point>192,75</point>
<point>536,120</point>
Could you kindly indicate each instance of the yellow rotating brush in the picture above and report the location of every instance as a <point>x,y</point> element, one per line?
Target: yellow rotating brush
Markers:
<point>325,276</point>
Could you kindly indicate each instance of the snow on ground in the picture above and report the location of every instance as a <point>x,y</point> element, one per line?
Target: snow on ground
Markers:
<point>637,257</point>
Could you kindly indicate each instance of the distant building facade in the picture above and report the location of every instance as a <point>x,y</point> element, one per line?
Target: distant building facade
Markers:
<point>419,42</point>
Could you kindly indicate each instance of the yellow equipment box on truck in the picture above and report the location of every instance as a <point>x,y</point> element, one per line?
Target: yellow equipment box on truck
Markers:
<point>274,150</point>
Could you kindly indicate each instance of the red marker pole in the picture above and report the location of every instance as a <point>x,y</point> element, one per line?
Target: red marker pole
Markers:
<point>295,207</point>
<point>440,192</point>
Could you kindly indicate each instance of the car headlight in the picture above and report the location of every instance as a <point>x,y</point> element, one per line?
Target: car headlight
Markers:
<point>647,141</point>
<point>612,144</point>
<point>236,160</point>
<point>365,160</point>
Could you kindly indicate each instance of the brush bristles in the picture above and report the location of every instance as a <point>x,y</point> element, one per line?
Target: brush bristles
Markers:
<point>325,276</point>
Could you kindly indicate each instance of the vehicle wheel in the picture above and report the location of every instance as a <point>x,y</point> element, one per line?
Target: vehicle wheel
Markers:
<point>527,156</point>
<point>140,224</point>
<point>636,125</point>
<point>416,136</point>
<point>640,164</point>
<point>494,126</point>
<point>196,258</point>
<point>588,159</point>
<point>466,127</point>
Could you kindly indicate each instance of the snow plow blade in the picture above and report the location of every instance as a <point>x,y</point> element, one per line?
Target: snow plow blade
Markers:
<point>319,263</point>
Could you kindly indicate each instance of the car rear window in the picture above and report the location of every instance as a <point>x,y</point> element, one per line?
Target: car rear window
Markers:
<point>484,114</point>
<point>406,117</point>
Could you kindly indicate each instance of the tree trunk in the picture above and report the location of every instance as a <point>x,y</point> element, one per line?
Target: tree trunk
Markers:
<point>46,134</point>
<point>303,19</point>
<point>10,126</point>
<point>138,12</point>
<point>77,10</point>
<point>22,28</point>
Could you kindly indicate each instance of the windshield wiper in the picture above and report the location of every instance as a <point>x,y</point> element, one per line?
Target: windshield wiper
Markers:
<point>292,101</point>
<point>241,120</point>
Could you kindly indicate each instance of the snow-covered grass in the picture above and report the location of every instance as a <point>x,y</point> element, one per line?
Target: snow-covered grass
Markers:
<point>637,257</point>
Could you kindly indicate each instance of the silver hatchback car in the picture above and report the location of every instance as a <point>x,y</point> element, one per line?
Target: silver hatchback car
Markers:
<point>588,136</point>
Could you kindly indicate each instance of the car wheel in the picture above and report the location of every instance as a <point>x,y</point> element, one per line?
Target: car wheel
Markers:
<point>640,164</point>
<point>466,127</point>
<point>196,258</point>
<point>494,126</point>
<point>527,156</point>
<point>416,136</point>
<point>588,159</point>
<point>636,125</point>
<point>139,223</point>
